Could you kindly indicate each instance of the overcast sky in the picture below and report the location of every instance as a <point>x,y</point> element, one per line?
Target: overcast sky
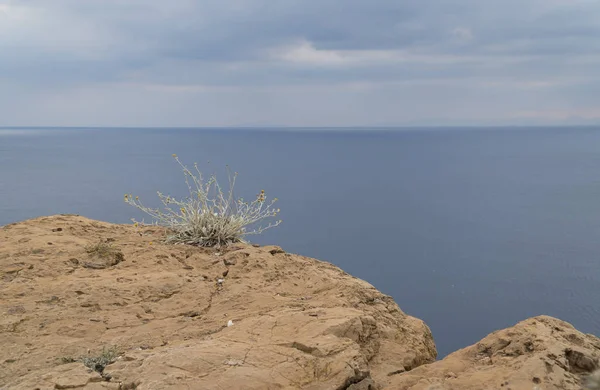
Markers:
<point>299,62</point>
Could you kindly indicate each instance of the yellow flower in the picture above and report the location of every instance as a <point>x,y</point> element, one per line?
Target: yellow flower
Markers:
<point>182,210</point>
<point>150,243</point>
<point>135,224</point>
<point>174,155</point>
<point>137,198</point>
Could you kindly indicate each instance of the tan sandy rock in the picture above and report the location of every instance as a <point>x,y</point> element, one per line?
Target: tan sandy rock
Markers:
<point>541,353</point>
<point>296,322</point>
<point>241,317</point>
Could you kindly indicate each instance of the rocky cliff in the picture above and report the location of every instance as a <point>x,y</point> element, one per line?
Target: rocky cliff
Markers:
<point>538,353</point>
<point>91,305</point>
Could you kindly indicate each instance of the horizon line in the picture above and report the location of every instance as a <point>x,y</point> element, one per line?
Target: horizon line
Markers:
<point>287,127</point>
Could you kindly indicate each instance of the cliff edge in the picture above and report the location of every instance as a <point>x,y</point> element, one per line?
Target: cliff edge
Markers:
<point>540,353</point>
<point>188,317</point>
<point>91,305</point>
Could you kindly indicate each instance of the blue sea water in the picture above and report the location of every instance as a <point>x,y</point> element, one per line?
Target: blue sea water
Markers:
<point>471,230</point>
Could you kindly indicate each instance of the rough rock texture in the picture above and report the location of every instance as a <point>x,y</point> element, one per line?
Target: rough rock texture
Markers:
<point>296,322</point>
<point>539,353</point>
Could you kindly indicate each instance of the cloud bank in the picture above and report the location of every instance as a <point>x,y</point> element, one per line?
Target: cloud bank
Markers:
<point>299,63</point>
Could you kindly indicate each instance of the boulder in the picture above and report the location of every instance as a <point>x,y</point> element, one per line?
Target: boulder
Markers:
<point>540,353</point>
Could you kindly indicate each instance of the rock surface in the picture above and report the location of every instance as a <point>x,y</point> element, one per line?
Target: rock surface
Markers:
<point>243,317</point>
<point>539,353</point>
<point>184,317</point>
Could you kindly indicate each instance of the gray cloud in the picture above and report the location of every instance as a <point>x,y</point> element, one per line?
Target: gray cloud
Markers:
<point>293,62</point>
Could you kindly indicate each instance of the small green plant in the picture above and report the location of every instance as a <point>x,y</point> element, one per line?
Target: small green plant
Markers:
<point>105,251</point>
<point>101,249</point>
<point>98,362</point>
<point>210,216</point>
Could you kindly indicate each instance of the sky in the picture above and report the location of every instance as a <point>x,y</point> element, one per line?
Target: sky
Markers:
<point>299,63</point>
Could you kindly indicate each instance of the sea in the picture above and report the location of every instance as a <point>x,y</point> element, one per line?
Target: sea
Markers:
<point>470,229</point>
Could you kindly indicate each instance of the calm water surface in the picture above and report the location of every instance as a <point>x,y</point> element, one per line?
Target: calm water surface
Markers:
<point>471,230</point>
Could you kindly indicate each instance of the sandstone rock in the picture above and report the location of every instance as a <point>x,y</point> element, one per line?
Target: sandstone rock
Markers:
<point>233,257</point>
<point>168,317</point>
<point>67,376</point>
<point>539,353</point>
<point>365,384</point>
<point>299,323</point>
